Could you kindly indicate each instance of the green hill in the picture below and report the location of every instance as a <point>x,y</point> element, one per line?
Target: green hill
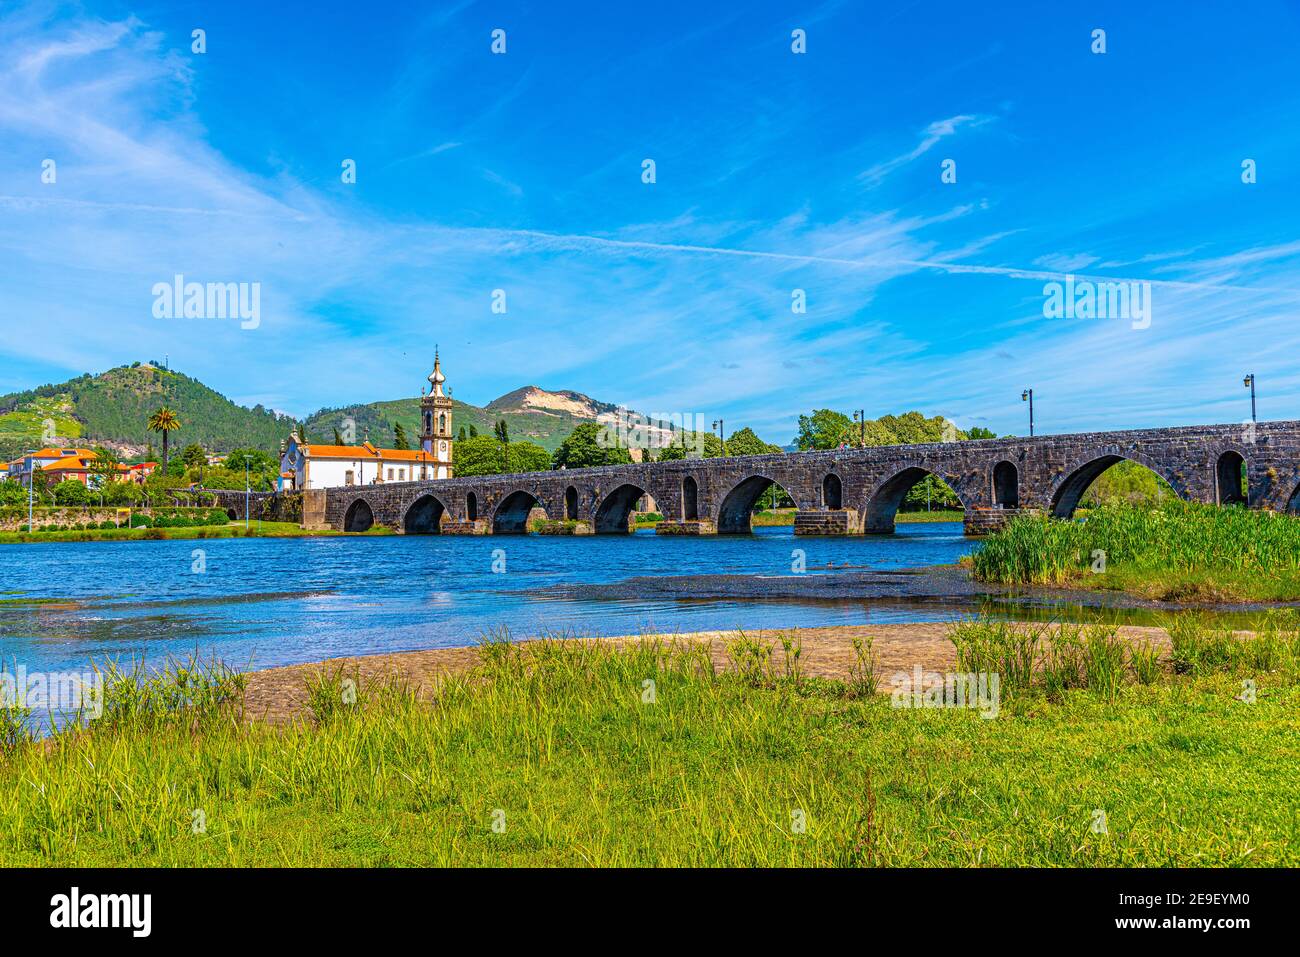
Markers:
<point>531,414</point>
<point>113,409</point>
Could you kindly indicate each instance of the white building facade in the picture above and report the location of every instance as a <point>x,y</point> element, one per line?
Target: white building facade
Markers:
<point>311,465</point>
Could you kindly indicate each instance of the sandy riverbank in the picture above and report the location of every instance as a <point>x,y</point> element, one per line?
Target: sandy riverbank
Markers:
<point>280,694</point>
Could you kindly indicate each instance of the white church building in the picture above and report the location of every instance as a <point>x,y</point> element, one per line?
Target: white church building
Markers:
<point>311,465</point>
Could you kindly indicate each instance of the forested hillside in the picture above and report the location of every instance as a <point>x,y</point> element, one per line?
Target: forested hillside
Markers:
<point>114,407</point>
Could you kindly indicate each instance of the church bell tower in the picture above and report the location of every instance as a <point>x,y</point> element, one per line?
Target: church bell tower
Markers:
<point>435,422</point>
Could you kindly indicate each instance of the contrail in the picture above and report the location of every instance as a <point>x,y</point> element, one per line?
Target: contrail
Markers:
<point>577,239</point>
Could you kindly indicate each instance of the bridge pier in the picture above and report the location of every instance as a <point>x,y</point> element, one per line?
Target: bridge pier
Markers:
<point>565,527</point>
<point>830,521</point>
<point>475,527</point>
<point>693,527</point>
<point>986,521</point>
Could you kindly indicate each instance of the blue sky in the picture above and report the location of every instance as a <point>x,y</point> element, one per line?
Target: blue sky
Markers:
<point>774,171</point>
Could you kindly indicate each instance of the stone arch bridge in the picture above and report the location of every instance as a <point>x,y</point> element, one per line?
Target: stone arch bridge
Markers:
<point>844,491</point>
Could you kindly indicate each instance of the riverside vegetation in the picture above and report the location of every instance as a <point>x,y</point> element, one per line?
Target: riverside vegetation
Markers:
<point>595,753</point>
<point>1177,551</point>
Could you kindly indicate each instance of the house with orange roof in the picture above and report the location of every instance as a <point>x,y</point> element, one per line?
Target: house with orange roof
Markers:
<point>59,464</point>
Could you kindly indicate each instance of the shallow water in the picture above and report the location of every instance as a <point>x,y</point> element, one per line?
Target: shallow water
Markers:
<point>266,602</point>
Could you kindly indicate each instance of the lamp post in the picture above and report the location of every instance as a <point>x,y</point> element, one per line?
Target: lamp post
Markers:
<point>1028,396</point>
<point>721,426</point>
<point>860,417</point>
<point>1249,382</point>
<point>246,495</point>
<point>31,477</point>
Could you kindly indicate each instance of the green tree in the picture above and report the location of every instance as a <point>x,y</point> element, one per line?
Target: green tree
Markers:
<point>1128,482</point>
<point>399,437</point>
<point>71,492</point>
<point>979,432</point>
<point>338,436</point>
<point>824,429</point>
<point>529,457</point>
<point>12,492</point>
<point>478,455</point>
<point>460,436</point>
<point>122,494</point>
<point>263,469</point>
<point>164,420</point>
<point>104,469</point>
<point>472,431</point>
<point>693,445</point>
<point>745,442</point>
<point>194,456</point>
<point>586,448</point>
<point>502,432</point>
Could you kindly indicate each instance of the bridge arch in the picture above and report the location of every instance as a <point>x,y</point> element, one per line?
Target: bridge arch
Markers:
<point>1073,484</point>
<point>511,516</point>
<point>359,516</point>
<point>884,501</point>
<point>570,503</point>
<point>471,507</point>
<point>615,510</point>
<point>735,512</point>
<point>424,516</point>
<point>1006,485</point>
<point>1228,471</point>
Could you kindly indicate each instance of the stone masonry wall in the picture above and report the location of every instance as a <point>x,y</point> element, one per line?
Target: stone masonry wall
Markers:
<point>1051,473</point>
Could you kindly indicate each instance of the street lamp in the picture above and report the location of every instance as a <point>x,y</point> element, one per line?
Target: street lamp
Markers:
<point>1028,396</point>
<point>720,426</point>
<point>1249,382</point>
<point>246,495</point>
<point>860,417</point>
<point>31,477</point>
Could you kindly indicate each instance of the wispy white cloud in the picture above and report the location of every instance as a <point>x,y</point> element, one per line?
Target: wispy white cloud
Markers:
<point>354,296</point>
<point>931,137</point>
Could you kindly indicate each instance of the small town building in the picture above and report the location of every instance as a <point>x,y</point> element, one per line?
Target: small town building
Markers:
<point>311,465</point>
<point>59,464</point>
<point>141,471</point>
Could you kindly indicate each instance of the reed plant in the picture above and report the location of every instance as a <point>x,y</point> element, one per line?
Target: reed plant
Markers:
<point>1252,552</point>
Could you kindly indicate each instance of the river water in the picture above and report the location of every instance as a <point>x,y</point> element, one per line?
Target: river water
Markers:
<point>259,603</point>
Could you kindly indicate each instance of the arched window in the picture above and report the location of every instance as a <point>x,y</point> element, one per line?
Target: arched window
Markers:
<point>1230,479</point>
<point>1006,491</point>
<point>442,423</point>
<point>690,500</point>
<point>832,492</point>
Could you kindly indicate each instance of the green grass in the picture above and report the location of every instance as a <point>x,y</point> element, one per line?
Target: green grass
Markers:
<point>938,515</point>
<point>1177,551</point>
<point>785,516</point>
<point>580,761</point>
<point>234,530</point>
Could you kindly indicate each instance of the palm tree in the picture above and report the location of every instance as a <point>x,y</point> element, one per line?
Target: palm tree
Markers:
<point>164,420</point>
